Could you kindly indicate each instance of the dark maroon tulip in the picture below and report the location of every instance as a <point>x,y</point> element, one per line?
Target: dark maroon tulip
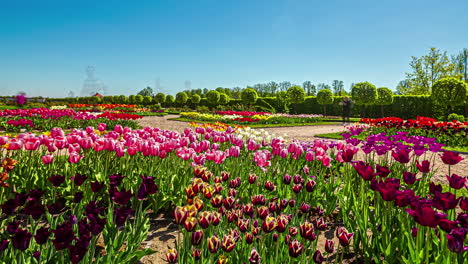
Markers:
<point>3,244</point>
<point>56,180</point>
<point>456,182</point>
<point>456,239</point>
<point>196,254</point>
<point>252,178</point>
<point>464,204</point>
<point>414,231</point>
<point>122,197</point>
<point>310,185</point>
<point>34,194</point>
<point>401,155</point>
<point>292,202</point>
<point>382,171</point>
<point>424,166</point>
<point>36,255</point>
<point>92,209</point>
<point>426,216</point>
<point>78,197</point>
<point>258,199</point>
<point>295,248</point>
<point>57,207</point>
<point>248,209</point>
<point>197,237</point>
<point>297,179</point>
<point>63,236</point>
<point>10,206</point>
<point>96,186</point>
<point>297,188</point>
<point>404,198</point>
<point>21,198</point>
<point>345,238</point>
<point>320,224</point>
<point>115,179</point>
<point>347,155</point>
<point>21,239</point>
<point>79,179</point>
<point>13,227</point>
<point>275,237</point>
<point>364,170</point>
<point>42,235</point>
<point>287,179</point>
<point>435,188</point>
<point>225,175</point>
<point>79,250</point>
<point>269,186</point>
<point>121,215</point>
<point>262,212</point>
<point>330,246</point>
<point>451,158</point>
<point>388,188</point>
<point>305,208</point>
<point>249,238</point>
<point>96,225</point>
<point>445,201</point>
<point>307,231</point>
<point>84,227</point>
<point>409,178</point>
<point>229,202</point>
<point>273,207</point>
<point>317,257</point>
<point>293,231</point>
<point>147,187</point>
<point>447,225</point>
<point>462,219</point>
<point>34,208</point>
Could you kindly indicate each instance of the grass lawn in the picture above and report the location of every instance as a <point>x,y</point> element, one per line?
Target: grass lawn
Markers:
<point>258,125</point>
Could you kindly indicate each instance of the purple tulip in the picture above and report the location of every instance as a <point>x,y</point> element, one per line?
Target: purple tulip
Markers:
<point>330,246</point>
<point>456,239</point>
<point>64,235</point>
<point>10,206</point>
<point>147,187</point>
<point>401,155</point>
<point>3,244</point>
<point>35,209</point>
<point>115,180</point>
<point>79,179</point>
<point>56,180</point>
<point>456,182</point>
<point>36,255</point>
<point>445,201</point>
<point>451,158</point>
<point>78,197</point>
<point>409,178</point>
<point>13,227</point>
<point>424,167</point>
<point>317,257</point>
<point>425,216</point>
<point>21,239</point>
<point>42,235</point>
<point>122,197</point>
<point>364,170</point>
<point>121,215</point>
<point>382,171</point>
<point>96,186</point>
<point>78,251</point>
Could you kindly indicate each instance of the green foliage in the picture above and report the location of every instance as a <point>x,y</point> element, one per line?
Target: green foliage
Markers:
<point>123,99</point>
<point>148,91</point>
<point>181,98</point>
<point>147,100</point>
<point>325,97</point>
<point>384,96</point>
<point>138,99</point>
<point>249,96</point>
<point>160,98</point>
<point>223,99</point>
<point>170,99</point>
<point>296,94</point>
<point>195,99</point>
<point>457,117</point>
<point>131,99</point>
<point>449,91</point>
<point>364,93</point>
<point>213,97</point>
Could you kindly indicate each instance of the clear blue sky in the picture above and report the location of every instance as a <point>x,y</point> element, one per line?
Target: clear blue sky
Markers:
<point>45,46</point>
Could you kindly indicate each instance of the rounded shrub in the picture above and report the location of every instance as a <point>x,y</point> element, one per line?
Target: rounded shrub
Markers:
<point>181,98</point>
<point>384,97</point>
<point>138,99</point>
<point>170,99</point>
<point>296,94</point>
<point>249,96</point>
<point>325,97</point>
<point>160,98</point>
<point>195,99</point>
<point>449,92</point>
<point>147,100</point>
<point>364,93</point>
<point>213,97</point>
<point>223,99</point>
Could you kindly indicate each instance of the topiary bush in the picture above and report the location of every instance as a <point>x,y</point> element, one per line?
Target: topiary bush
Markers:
<point>364,94</point>
<point>160,98</point>
<point>147,100</point>
<point>169,100</point>
<point>195,99</point>
<point>181,98</point>
<point>384,97</point>
<point>296,95</point>
<point>456,117</point>
<point>249,96</point>
<point>213,97</point>
<point>324,98</point>
<point>223,99</point>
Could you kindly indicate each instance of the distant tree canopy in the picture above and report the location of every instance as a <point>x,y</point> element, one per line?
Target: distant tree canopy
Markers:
<point>160,98</point>
<point>181,98</point>
<point>148,91</point>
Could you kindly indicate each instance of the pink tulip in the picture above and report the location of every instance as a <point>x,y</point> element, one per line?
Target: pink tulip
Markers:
<point>3,140</point>
<point>47,159</point>
<point>102,127</point>
<point>118,129</point>
<point>74,157</point>
<point>119,150</point>
<point>86,143</point>
<point>15,144</point>
<point>57,132</point>
<point>132,150</point>
<point>31,144</point>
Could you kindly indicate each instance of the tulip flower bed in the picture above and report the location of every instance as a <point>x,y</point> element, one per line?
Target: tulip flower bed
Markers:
<point>454,134</point>
<point>237,198</point>
<point>243,117</point>
<point>46,119</point>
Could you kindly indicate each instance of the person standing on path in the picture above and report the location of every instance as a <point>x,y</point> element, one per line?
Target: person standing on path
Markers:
<point>347,104</point>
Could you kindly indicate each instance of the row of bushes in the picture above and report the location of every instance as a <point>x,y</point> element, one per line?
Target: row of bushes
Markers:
<point>404,106</point>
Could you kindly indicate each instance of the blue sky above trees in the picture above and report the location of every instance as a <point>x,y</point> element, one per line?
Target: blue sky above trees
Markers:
<point>45,46</point>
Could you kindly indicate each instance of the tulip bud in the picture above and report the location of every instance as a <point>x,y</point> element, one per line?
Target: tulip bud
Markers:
<point>317,257</point>
<point>197,237</point>
<point>248,237</point>
<point>204,219</point>
<point>217,201</point>
<point>228,243</point>
<point>310,185</point>
<point>254,257</point>
<point>213,244</point>
<point>172,255</point>
<point>269,224</point>
<point>330,246</point>
<point>196,253</point>
<point>190,223</point>
<point>252,178</point>
<point>180,215</point>
<point>295,248</point>
<point>287,179</point>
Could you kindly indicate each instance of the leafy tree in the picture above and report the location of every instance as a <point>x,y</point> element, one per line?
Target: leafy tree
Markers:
<point>138,99</point>
<point>181,98</point>
<point>147,100</point>
<point>325,97</point>
<point>213,97</point>
<point>123,99</point>
<point>402,87</point>
<point>160,98</point>
<point>426,70</point>
<point>107,99</point>
<point>223,99</point>
<point>249,96</point>
<point>284,86</point>
<point>449,92</point>
<point>236,92</point>
<point>148,91</point>
<point>170,99</point>
<point>131,99</point>
<point>309,88</point>
<point>461,64</point>
<point>364,94</point>
<point>384,97</point>
<point>195,99</point>
<point>282,101</point>
<point>296,96</point>
<point>273,88</point>
<point>338,87</point>
<point>322,86</point>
